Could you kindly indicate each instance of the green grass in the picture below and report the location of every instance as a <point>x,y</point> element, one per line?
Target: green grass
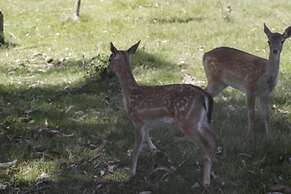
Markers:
<point>67,128</point>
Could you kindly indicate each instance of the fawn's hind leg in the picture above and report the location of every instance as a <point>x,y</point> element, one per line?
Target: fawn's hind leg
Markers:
<point>205,139</point>
<point>150,144</point>
<point>140,137</point>
<point>215,87</point>
<point>264,112</point>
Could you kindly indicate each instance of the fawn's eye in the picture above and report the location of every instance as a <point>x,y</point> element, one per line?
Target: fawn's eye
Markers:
<point>269,42</point>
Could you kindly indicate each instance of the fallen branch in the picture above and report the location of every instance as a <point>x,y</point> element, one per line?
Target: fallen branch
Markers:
<point>8,164</point>
<point>162,169</point>
<point>281,188</point>
<point>1,28</point>
<point>77,7</point>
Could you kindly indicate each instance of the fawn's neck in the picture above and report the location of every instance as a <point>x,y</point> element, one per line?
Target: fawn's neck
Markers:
<point>273,65</point>
<point>126,80</point>
<point>272,70</point>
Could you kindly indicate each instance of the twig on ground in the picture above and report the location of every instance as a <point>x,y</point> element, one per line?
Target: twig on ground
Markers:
<point>8,164</point>
<point>281,188</point>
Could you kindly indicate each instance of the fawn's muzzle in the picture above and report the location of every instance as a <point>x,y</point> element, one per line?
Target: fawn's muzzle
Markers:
<point>275,51</point>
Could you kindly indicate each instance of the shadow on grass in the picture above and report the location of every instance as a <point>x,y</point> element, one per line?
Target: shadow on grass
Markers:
<point>85,133</point>
<point>255,161</point>
<point>82,129</point>
<point>233,104</point>
<point>63,126</point>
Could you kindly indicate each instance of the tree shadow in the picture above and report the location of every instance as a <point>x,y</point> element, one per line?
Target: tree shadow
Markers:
<point>55,123</point>
<point>259,150</point>
<point>85,131</point>
<point>231,105</point>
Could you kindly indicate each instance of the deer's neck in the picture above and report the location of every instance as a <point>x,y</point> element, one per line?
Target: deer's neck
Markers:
<point>272,71</point>
<point>126,80</point>
<point>273,65</point>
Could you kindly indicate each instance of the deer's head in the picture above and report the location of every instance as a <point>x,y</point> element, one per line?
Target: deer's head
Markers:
<point>276,40</point>
<point>121,58</point>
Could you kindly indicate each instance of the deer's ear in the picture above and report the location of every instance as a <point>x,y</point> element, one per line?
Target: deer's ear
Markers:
<point>267,31</point>
<point>112,48</point>
<point>133,48</point>
<point>287,32</point>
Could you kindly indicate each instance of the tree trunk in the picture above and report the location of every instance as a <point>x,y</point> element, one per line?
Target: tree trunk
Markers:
<point>1,28</point>
<point>77,10</point>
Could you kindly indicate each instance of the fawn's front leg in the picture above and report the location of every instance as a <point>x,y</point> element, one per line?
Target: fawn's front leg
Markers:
<point>139,141</point>
<point>152,147</point>
<point>264,112</point>
<point>251,100</point>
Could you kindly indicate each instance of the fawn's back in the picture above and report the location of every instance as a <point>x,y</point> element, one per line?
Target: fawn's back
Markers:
<point>170,101</point>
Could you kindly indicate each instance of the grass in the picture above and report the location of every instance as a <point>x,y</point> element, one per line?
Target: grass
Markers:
<point>66,126</point>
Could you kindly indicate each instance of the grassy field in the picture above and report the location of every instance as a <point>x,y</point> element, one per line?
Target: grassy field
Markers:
<point>66,126</point>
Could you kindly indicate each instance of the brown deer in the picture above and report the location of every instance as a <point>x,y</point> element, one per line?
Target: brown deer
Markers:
<point>253,75</point>
<point>185,106</point>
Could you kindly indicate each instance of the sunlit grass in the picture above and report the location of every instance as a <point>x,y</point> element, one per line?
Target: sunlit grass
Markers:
<point>118,176</point>
<point>32,171</point>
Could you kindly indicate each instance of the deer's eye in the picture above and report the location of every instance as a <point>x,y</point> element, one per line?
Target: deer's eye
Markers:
<point>282,41</point>
<point>269,42</point>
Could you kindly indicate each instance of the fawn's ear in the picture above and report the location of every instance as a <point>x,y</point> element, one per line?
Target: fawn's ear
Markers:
<point>287,32</point>
<point>112,48</point>
<point>267,31</point>
<point>133,48</point>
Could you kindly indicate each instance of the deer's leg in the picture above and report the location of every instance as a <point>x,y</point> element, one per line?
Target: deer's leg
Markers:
<point>197,129</point>
<point>209,149</point>
<point>251,101</point>
<point>207,142</point>
<point>215,87</point>
<point>207,165</point>
<point>152,147</point>
<point>205,138</point>
<point>140,137</point>
<point>264,111</point>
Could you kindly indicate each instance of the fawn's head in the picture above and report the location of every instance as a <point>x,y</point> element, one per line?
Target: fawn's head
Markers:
<point>120,58</point>
<point>276,40</point>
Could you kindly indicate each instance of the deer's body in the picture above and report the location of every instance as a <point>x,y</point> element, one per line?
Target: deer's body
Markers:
<point>253,75</point>
<point>240,70</point>
<point>184,106</point>
<point>167,101</point>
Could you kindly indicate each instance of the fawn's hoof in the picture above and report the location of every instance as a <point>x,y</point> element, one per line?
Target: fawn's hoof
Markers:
<point>132,172</point>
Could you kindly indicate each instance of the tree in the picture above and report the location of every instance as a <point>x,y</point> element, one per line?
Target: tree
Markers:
<point>1,28</point>
<point>77,7</point>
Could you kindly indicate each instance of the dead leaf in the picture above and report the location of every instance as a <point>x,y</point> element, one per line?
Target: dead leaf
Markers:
<point>43,175</point>
<point>145,192</point>
<point>111,168</point>
<point>195,185</point>
<point>69,108</point>
<point>2,186</point>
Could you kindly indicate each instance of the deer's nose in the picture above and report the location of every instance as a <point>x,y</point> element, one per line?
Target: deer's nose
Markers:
<point>275,51</point>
